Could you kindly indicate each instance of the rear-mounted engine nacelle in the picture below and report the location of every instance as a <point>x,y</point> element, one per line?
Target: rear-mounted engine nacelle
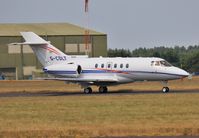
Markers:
<point>68,70</point>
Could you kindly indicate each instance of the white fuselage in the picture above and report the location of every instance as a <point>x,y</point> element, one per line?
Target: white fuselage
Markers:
<point>122,70</point>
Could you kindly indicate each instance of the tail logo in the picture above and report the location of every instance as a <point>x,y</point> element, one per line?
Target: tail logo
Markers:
<point>51,50</point>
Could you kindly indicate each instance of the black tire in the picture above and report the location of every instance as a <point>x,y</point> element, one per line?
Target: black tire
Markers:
<point>103,89</point>
<point>165,89</point>
<point>88,90</point>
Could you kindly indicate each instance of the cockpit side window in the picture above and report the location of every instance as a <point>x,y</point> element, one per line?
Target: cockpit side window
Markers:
<point>163,63</point>
<point>157,63</point>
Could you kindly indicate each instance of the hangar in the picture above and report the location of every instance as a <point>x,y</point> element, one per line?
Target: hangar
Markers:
<point>18,62</point>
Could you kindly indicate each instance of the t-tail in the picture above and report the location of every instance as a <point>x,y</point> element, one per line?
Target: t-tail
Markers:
<point>46,53</point>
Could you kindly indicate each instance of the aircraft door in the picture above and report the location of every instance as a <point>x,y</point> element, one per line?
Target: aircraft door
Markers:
<point>155,65</point>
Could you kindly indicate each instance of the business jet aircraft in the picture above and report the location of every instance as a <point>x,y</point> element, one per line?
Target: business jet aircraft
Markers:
<point>100,71</point>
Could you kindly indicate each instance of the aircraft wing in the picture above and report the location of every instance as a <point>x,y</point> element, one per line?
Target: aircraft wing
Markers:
<point>84,80</point>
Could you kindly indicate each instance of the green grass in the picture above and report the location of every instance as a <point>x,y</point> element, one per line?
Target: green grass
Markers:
<point>100,115</point>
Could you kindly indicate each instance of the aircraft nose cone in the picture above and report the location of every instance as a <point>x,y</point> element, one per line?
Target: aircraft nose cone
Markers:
<point>184,73</point>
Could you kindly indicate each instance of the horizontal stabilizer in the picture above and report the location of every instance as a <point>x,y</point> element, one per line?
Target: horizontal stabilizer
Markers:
<point>31,37</point>
<point>29,43</point>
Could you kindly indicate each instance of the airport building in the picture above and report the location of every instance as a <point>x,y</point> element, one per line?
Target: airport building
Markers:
<point>19,62</point>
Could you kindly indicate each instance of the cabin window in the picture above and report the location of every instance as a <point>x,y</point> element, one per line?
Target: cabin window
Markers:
<point>121,65</point>
<point>115,65</point>
<point>96,65</point>
<point>102,66</point>
<point>109,65</point>
<point>127,66</point>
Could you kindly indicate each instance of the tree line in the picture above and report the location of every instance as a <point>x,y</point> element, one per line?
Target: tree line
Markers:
<point>186,58</point>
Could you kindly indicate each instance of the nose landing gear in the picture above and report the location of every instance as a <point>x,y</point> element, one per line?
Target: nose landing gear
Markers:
<point>165,89</point>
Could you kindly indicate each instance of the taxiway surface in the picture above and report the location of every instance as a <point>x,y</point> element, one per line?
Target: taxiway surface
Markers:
<point>120,92</point>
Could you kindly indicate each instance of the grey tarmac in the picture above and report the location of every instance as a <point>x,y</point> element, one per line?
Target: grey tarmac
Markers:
<point>119,92</point>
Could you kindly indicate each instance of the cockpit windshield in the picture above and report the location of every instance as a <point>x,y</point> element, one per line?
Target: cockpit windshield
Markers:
<point>163,63</point>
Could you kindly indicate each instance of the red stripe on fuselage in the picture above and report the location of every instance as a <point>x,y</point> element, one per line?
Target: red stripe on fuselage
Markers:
<point>113,71</point>
<point>50,49</point>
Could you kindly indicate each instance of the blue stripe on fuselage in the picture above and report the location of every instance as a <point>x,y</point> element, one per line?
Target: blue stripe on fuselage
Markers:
<point>107,71</point>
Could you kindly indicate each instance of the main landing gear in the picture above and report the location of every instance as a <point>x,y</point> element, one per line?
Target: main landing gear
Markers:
<point>88,90</point>
<point>165,89</point>
<point>102,89</point>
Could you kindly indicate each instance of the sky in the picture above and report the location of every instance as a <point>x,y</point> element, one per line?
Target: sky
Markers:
<point>128,24</point>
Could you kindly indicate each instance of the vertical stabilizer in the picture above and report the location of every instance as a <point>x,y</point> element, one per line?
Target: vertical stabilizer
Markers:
<point>46,53</point>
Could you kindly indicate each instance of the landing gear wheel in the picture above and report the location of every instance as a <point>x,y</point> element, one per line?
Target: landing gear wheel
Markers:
<point>103,89</point>
<point>165,89</point>
<point>88,90</point>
